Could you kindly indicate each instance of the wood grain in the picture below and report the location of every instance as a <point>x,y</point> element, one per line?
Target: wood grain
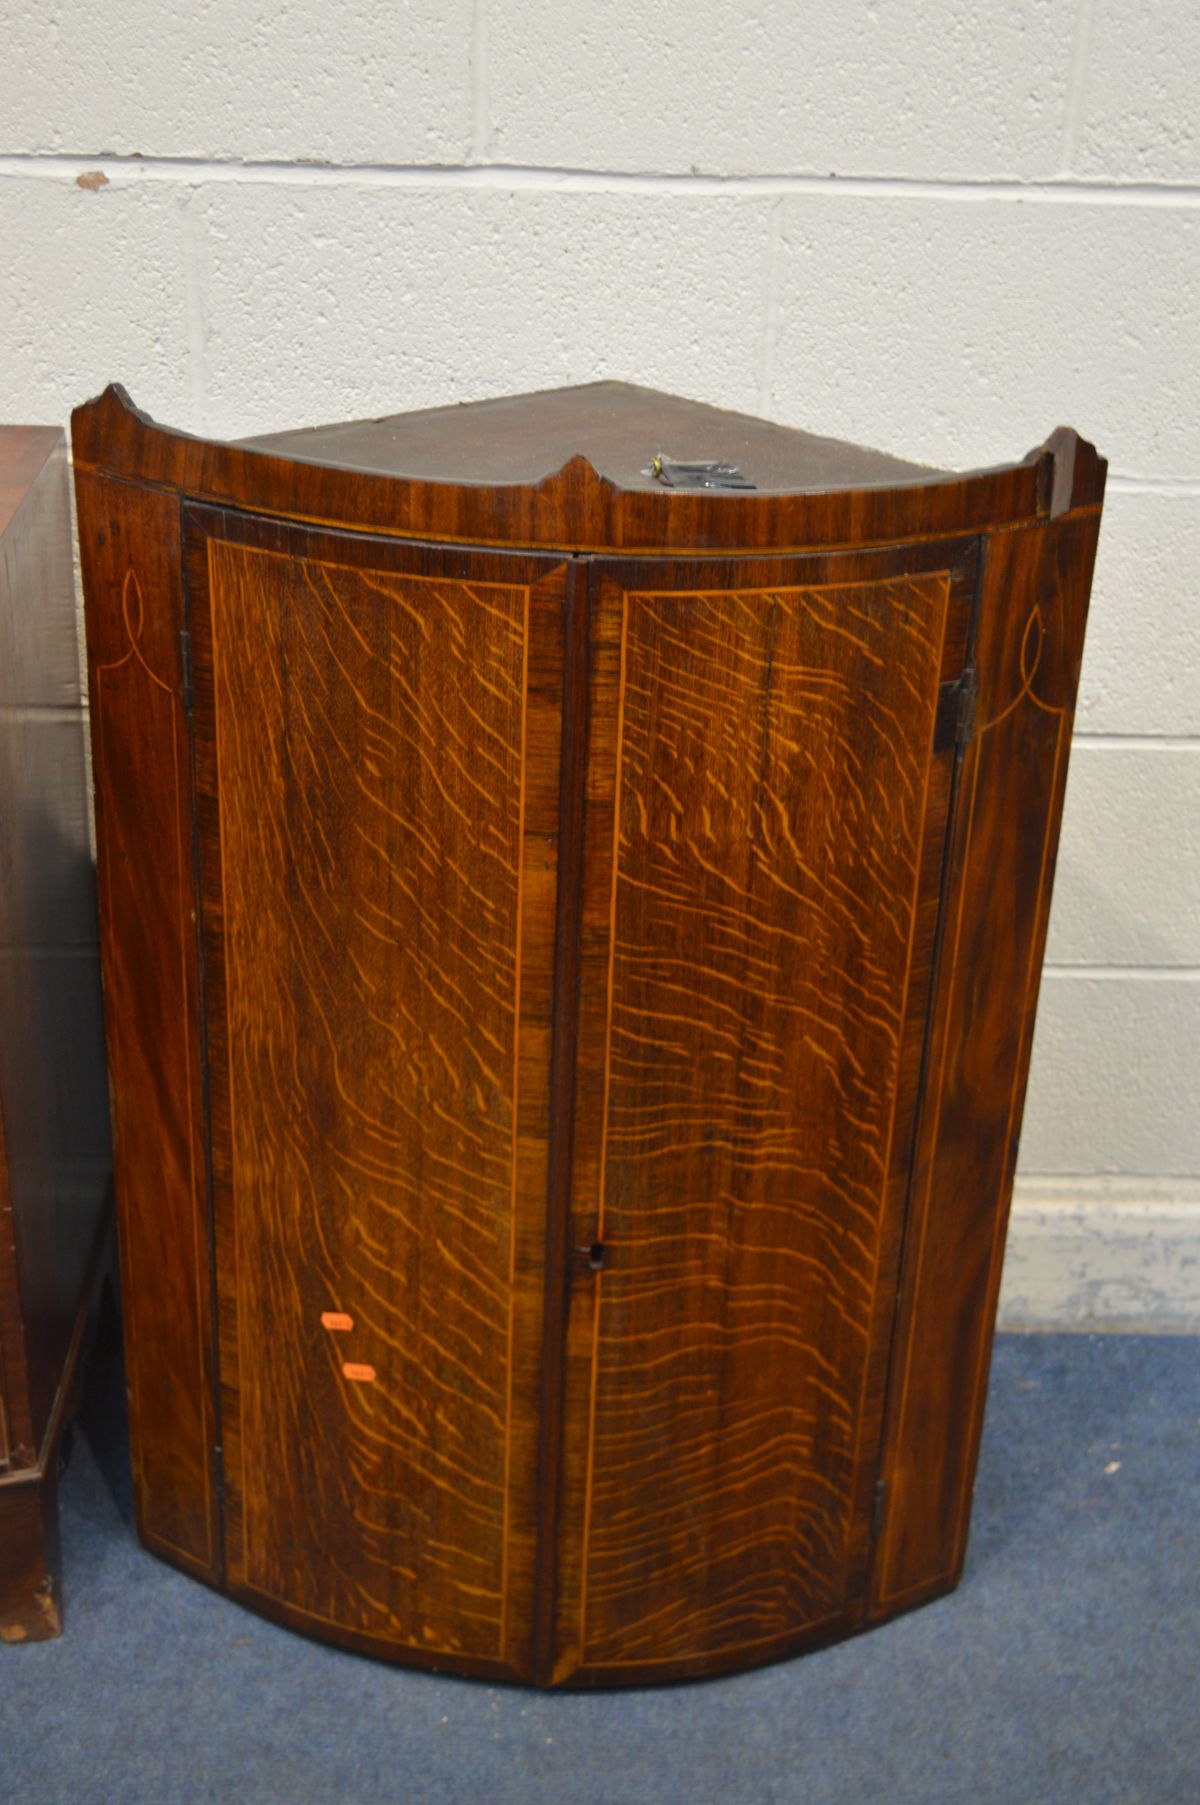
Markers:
<point>753,1023</point>
<point>618,975</point>
<point>380,889</point>
<point>129,543</point>
<point>574,508</point>
<point>1030,643</point>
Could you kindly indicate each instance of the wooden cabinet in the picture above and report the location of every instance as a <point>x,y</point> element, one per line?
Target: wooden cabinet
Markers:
<point>54,1146</point>
<point>571,936</point>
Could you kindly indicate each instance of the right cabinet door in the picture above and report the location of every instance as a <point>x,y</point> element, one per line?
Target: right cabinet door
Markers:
<point>768,782</point>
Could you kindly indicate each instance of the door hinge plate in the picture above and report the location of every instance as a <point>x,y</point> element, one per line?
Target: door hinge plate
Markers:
<point>955,722</point>
<point>878,1507</point>
<point>185,665</point>
<point>968,691</point>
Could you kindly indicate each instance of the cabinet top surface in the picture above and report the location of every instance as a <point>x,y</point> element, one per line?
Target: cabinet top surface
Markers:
<point>617,426</point>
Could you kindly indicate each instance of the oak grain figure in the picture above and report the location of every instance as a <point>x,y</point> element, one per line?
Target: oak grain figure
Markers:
<point>605,943</point>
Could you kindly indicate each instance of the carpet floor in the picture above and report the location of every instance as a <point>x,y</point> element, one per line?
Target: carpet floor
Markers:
<point>1065,1668</point>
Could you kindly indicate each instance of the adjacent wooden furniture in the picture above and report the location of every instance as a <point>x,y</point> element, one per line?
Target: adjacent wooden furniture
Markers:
<point>54,1158</point>
<point>571,938</point>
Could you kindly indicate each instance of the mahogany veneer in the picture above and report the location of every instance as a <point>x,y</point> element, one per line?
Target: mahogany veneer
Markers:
<point>55,1209</point>
<point>571,949</point>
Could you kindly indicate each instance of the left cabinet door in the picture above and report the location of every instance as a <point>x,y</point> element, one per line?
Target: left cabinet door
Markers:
<point>376,733</point>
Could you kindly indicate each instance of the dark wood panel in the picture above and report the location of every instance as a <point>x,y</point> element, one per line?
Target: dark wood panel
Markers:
<point>129,543</point>
<point>30,1595</point>
<point>55,1160</point>
<point>758,933</point>
<point>31,510</point>
<point>556,1267</point>
<point>31,1603</point>
<point>1010,794</point>
<point>54,1143</point>
<point>377,742</point>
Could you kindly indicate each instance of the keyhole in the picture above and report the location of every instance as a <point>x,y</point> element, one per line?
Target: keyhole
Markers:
<point>596,1255</point>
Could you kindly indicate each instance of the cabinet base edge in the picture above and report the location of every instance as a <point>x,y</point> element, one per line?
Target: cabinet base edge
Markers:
<point>613,1677</point>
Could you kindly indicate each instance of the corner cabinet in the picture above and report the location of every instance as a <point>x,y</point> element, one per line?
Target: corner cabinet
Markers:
<point>572,932</point>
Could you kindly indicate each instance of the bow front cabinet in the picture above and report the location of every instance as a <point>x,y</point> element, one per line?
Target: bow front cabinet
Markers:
<point>572,926</point>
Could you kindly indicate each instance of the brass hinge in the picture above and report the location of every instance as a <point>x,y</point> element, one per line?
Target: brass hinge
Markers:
<point>878,1506</point>
<point>955,722</point>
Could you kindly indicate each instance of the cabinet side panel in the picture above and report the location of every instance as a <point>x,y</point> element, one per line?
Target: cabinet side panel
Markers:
<point>24,452</point>
<point>1005,836</point>
<point>129,543</point>
<point>52,1085</point>
<point>16,1437</point>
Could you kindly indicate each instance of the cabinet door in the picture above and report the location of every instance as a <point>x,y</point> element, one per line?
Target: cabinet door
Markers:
<point>376,733</point>
<point>767,792</point>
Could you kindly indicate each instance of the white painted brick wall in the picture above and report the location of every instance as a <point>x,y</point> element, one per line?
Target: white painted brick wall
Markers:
<point>325,301</point>
<point>939,226</point>
<point>298,81</point>
<point>1139,91</point>
<point>931,88</point>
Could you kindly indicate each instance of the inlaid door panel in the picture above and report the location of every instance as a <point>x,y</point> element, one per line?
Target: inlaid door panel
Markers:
<point>376,742</point>
<point>766,805</point>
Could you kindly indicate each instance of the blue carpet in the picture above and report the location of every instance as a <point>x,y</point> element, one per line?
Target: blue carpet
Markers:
<point>1066,1668</point>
